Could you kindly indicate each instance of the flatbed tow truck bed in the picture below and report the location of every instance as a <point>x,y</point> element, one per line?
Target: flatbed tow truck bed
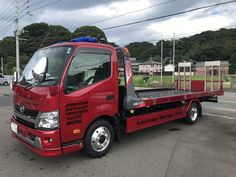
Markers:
<point>155,93</point>
<point>164,105</point>
<point>152,97</point>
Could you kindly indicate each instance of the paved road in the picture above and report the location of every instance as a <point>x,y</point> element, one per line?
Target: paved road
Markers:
<point>206,149</point>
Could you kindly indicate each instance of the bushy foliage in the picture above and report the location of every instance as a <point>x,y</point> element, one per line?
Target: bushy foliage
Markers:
<point>209,45</point>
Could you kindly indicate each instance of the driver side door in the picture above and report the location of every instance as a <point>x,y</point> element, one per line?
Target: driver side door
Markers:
<point>90,91</point>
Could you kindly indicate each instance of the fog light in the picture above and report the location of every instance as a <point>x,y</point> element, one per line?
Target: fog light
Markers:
<point>49,140</point>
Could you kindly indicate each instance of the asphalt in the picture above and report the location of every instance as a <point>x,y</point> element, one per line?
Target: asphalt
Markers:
<point>206,149</point>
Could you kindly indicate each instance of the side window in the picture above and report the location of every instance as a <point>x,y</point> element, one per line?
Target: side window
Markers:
<point>87,69</point>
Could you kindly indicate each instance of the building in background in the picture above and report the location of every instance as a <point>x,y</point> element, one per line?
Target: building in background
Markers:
<point>149,67</point>
<point>199,68</point>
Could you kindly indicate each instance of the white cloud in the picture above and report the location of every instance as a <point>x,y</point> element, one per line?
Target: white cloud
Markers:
<point>185,25</point>
<point>73,15</point>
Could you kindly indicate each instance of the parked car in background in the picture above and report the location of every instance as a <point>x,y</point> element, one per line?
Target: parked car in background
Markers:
<point>3,80</point>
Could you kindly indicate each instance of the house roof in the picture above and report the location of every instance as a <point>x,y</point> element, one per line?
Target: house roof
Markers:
<point>150,62</point>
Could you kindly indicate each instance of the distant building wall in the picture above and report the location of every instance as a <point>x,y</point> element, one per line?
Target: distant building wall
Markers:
<point>149,67</point>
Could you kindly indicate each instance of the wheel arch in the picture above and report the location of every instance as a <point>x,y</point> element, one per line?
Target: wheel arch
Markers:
<point>113,120</point>
<point>197,101</point>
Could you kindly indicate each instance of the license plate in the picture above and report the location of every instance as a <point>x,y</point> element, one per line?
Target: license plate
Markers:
<point>14,127</point>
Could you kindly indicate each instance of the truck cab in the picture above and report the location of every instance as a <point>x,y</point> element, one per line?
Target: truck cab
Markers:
<point>79,87</point>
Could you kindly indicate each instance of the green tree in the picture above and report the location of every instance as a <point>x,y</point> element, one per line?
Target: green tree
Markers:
<point>232,62</point>
<point>7,47</point>
<point>41,35</point>
<point>91,31</point>
<point>137,48</point>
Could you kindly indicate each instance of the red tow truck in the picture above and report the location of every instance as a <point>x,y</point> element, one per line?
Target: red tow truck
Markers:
<point>69,97</point>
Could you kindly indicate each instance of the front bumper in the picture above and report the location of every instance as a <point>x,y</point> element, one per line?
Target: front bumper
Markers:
<point>44,143</point>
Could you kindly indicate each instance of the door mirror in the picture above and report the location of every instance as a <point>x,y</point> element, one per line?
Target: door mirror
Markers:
<point>40,69</point>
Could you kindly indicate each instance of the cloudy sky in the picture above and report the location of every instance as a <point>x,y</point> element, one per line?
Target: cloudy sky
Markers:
<point>75,13</point>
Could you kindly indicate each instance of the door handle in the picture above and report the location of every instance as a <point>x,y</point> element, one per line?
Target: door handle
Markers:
<point>110,97</point>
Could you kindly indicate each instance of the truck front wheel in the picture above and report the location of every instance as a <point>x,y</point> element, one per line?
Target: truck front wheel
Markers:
<point>193,113</point>
<point>99,138</point>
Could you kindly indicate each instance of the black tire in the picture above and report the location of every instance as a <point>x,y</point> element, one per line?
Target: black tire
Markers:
<point>99,146</point>
<point>5,83</point>
<point>193,114</point>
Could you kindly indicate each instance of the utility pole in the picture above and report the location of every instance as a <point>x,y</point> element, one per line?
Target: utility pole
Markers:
<point>161,57</point>
<point>173,76</point>
<point>17,41</point>
<point>2,65</point>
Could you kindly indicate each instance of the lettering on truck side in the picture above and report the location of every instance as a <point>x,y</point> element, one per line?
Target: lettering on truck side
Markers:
<point>75,111</point>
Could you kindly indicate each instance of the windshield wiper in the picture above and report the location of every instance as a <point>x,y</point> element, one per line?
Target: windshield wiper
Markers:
<point>29,85</point>
<point>36,83</point>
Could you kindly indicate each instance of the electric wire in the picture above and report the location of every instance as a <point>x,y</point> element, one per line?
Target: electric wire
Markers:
<point>132,12</point>
<point>168,15</point>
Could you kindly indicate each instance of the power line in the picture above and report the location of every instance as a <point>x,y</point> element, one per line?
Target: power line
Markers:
<point>8,28</point>
<point>10,20</point>
<point>31,5</point>
<point>46,5</point>
<point>38,2</point>
<point>6,9</point>
<point>25,3</point>
<point>44,39</point>
<point>132,12</point>
<point>169,15</point>
<point>179,35</point>
<point>6,4</point>
<point>6,23</point>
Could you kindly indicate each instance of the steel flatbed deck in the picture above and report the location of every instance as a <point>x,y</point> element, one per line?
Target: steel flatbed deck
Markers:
<point>160,93</point>
<point>152,97</point>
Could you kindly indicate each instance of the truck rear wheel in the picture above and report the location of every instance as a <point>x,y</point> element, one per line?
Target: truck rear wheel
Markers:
<point>5,83</point>
<point>99,138</point>
<point>193,113</point>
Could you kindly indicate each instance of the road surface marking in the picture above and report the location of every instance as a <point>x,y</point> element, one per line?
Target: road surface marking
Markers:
<point>221,109</point>
<point>232,95</point>
<point>227,101</point>
<point>220,116</point>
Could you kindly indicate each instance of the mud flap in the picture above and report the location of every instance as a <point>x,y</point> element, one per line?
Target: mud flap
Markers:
<point>213,99</point>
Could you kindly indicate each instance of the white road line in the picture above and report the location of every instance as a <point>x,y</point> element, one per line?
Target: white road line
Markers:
<point>229,95</point>
<point>220,116</point>
<point>220,109</point>
<point>226,101</point>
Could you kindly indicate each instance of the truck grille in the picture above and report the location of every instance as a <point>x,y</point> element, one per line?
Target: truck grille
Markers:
<point>24,122</point>
<point>27,112</point>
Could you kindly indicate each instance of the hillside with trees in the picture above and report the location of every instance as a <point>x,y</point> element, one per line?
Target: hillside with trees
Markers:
<point>209,45</point>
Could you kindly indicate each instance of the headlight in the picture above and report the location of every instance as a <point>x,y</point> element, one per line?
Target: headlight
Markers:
<point>49,120</point>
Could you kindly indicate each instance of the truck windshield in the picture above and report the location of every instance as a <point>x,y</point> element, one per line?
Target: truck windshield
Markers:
<point>57,58</point>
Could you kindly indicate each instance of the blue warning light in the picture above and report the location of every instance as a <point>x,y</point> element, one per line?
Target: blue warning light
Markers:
<point>84,39</point>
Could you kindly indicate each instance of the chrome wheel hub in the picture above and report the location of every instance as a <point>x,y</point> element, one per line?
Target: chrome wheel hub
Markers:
<point>100,139</point>
<point>194,113</point>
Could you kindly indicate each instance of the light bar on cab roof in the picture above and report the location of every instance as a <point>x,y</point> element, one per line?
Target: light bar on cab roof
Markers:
<point>84,39</point>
